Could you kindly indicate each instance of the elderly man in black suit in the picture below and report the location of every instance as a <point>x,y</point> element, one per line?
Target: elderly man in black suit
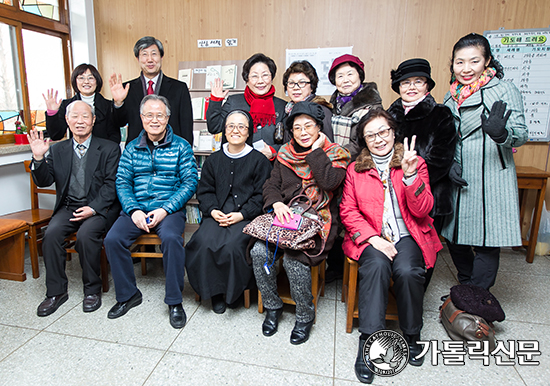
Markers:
<point>127,97</point>
<point>83,169</point>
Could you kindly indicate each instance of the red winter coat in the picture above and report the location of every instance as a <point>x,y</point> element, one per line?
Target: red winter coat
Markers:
<point>362,205</point>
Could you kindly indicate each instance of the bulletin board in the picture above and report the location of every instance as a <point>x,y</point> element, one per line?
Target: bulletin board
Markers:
<point>525,56</point>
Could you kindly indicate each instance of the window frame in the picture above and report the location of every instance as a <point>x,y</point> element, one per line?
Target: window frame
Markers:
<point>14,16</point>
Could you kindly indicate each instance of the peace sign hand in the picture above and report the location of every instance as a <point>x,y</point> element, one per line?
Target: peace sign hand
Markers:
<point>410,159</point>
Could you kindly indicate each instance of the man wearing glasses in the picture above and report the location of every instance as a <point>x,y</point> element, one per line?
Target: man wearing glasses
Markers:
<point>157,175</point>
<point>127,97</point>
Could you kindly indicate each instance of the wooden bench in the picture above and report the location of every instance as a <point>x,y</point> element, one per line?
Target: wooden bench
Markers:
<point>12,249</point>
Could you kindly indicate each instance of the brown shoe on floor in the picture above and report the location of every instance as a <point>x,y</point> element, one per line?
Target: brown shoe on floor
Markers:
<point>91,302</point>
<point>51,304</point>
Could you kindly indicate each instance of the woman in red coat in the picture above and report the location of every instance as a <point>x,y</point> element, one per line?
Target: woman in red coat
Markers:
<point>385,209</point>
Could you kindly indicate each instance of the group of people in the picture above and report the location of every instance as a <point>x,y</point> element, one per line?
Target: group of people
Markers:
<point>394,179</point>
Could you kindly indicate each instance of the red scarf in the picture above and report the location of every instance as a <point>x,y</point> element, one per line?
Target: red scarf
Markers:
<point>262,107</point>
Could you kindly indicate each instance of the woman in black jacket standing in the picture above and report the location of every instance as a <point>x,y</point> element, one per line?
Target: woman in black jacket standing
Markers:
<point>86,82</point>
<point>417,113</point>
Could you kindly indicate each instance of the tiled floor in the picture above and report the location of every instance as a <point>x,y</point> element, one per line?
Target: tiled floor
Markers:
<point>141,348</point>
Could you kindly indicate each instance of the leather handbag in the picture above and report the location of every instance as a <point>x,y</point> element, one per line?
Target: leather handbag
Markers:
<point>302,238</point>
<point>461,325</point>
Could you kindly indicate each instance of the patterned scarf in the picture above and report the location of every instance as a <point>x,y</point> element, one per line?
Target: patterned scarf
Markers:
<point>460,92</point>
<point>341,100</point>
<point>338,156</point>
<point>262,107</point>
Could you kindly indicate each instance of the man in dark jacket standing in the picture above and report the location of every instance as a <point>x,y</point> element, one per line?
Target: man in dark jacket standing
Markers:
<point>127,97</point>
<point>156,177</point>
<point>83,169</point>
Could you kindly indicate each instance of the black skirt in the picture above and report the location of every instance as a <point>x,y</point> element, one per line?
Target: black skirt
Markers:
<point>216,260</point>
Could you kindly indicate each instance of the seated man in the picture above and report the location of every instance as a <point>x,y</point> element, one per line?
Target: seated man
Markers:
<point>84,171</point>
<point>156,176</point>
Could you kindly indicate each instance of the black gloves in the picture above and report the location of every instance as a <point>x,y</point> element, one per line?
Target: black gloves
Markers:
<point>495,124</point>
<point>455,174</point>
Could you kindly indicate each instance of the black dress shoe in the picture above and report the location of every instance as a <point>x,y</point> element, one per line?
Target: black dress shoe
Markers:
<point>414,349</point>
<point>177,316</point>
<point>300,332</point>
<point>91,302</point>
<point>51,304</point>
<point>271,321</point>
<point>218,304</point>
<point>362,372</point>
<point>121,308</point>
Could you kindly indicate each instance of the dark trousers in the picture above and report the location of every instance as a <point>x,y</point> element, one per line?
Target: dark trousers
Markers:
<point>89,238</point>
<point>479,269</point>
<point>375,272</point>
<point>123,234</point>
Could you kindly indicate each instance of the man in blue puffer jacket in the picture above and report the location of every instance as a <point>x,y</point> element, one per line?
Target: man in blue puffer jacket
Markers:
<point>157,175</point>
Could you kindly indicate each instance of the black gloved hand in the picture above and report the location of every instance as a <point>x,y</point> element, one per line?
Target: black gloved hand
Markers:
<point>455,174</point>
<point>495,124</point>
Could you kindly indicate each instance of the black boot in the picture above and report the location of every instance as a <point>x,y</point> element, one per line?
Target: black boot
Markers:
<point>362,372</point>
<point>414,349</point>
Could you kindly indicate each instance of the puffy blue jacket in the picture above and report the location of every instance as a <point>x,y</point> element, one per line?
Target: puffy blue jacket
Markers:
<point>166,178</point>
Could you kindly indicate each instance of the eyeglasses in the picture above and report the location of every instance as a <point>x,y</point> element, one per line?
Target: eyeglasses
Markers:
<point>310,127</point>
<point>254,78</point>
<point>300,84</point>
<point>384,133</point>
<point>242,128</point>
<point>160,117</point>
<point>417,83</point>
<point>85,78</point>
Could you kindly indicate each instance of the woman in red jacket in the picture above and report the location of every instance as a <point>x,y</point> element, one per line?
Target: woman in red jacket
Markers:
<point>385,209</point>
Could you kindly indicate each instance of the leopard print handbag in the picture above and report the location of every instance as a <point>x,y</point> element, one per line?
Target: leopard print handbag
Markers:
<point>262,227</point>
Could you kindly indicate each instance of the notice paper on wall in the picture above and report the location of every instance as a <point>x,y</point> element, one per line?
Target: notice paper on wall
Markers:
<point>321,59</point>
<point>525,56</point>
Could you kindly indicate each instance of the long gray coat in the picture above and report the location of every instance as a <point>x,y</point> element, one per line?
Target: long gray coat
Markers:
<point>487,210</point>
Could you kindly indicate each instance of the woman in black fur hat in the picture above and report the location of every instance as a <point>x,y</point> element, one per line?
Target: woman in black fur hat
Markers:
<point>417,113</point>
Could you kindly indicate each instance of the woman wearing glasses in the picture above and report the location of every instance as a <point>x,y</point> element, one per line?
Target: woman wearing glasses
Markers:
<point>352,99</point>
<point>300,82</point>
<point>230,196</point>
<point>385,208</point>
<point>259,99</point>
<point>86,82</point>
<point>417,113</point>
<point>308,159</point>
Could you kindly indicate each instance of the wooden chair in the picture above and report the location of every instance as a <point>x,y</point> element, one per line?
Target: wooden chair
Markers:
<point>350,295</point>
<point>139,250</point>
<point>36,219</point>
<point>12,249</point>
<point>283,286</point>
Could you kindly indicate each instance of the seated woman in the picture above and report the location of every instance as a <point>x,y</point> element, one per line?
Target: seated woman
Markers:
<point>300,81</point>
<point>86,82</point>
<point>309,158</point>
<point>385,207</point>
<point>230,196</point>
<point>259,99</point>
<point>352,99</point>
